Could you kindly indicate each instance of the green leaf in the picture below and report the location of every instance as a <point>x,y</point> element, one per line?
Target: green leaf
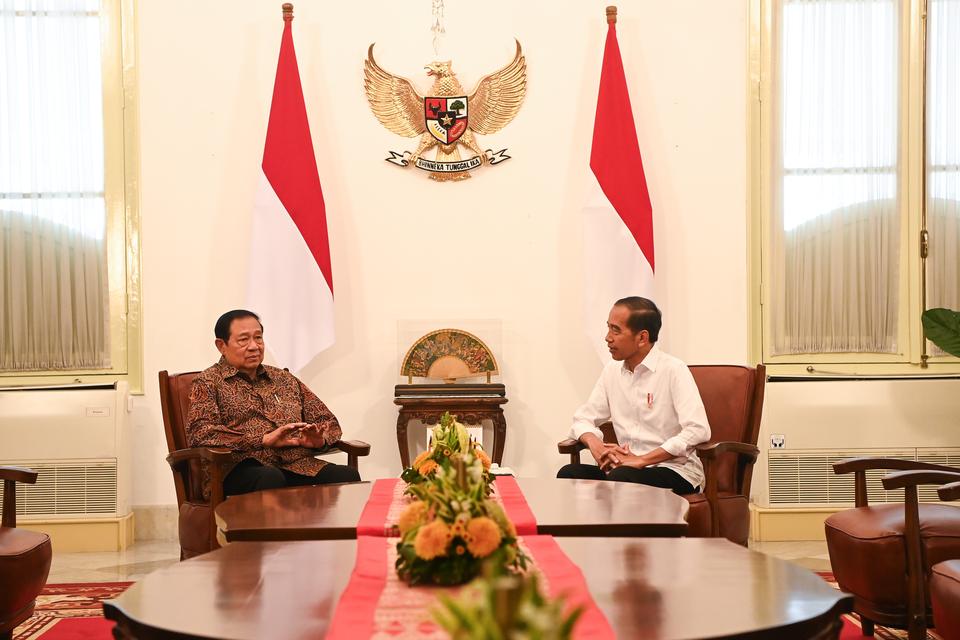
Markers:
<point>942,328</point>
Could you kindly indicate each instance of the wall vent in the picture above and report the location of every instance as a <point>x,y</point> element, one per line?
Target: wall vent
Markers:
<point>71,488</point>
<point>806,478</point>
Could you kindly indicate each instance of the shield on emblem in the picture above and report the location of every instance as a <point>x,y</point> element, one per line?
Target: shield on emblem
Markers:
<point>446,118</point>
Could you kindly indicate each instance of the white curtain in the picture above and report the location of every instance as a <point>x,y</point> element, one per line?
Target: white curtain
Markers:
<point>943,155</point>
<point>835,227</point>
<point>53,278</point>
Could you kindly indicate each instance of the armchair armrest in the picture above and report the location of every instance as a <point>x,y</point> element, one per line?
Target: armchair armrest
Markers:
<point>354,450</point>
<point>860,466</point>
<point>904,479</point>
<point>18,474</point>
<point>853,465</point>
<point>949,491</point>
<point>572,448</point>
<point>214,456</point>
<point>11,476</point>
<point>218,459</point>
<point>709,454</point>
<point>712,450</point>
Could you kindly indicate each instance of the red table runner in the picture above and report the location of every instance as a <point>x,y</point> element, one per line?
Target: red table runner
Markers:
<point>379,515</point>
<point>373,520</point>
<point>515,505</point>
<point>377,604</point>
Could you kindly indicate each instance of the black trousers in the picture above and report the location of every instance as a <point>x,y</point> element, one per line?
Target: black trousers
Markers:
<point>654,476</point>
<point>250,475</point>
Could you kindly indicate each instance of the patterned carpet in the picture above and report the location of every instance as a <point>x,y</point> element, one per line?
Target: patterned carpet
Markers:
<point>70,612</point>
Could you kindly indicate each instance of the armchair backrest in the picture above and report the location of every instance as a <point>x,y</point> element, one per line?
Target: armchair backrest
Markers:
<point>175,406</point>
<point>733,398</point>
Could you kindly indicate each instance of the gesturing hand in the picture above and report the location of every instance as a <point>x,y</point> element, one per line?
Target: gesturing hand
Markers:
<point>313,436</point>
<point>287,435</point>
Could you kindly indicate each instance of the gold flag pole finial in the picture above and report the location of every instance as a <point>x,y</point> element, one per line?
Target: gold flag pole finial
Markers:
<point>287,11</point>
<point>611,15</point>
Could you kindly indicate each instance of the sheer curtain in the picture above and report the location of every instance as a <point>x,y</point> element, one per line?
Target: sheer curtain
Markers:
<point>943,155</point>
<point>53,268</point>
<point>835,225</point>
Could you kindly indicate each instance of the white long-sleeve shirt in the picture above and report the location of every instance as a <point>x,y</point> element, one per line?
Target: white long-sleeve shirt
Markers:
<point>655,405</point>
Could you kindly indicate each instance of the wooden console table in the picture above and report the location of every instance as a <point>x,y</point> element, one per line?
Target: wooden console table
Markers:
<point>471,410</point>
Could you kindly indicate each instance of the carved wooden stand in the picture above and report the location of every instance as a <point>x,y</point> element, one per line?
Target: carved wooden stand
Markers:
<point>468,410</point>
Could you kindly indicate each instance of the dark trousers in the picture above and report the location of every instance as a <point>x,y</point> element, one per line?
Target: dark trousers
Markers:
<point>250,475</point>
<point>654,476</point>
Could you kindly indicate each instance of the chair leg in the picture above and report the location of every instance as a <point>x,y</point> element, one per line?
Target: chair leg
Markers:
<point>918,628</point>
<point>866,624</point>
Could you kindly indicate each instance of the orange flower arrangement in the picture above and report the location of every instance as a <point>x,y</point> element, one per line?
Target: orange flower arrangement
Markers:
<point>412,516</point>
<point>432,540</point>
<point>484,536</point>
<point>450,439</point>
<point>452,529</point>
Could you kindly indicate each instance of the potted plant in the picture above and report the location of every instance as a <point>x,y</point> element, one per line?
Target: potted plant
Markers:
<point>942,328</point>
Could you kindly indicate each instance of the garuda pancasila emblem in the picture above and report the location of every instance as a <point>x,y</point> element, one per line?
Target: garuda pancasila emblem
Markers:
<point>446,117</point>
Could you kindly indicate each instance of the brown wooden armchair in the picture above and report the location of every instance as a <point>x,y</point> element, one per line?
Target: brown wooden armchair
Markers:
<point>883,554</point>
<point>733,399</point>
<point>197,527</point>
<point>24,556</point>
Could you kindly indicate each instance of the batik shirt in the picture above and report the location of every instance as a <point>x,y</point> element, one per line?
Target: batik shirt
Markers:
<point>229,410</point>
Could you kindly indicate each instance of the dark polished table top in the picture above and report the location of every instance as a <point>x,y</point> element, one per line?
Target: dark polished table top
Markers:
<point>561,507</point>
<point>647,588</point>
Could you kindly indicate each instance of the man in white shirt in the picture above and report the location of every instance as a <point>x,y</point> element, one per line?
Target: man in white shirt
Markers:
<point>654,405</point>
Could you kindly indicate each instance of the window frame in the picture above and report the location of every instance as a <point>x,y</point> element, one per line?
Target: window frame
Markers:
<point>122,202</point>
<point>911,358</point>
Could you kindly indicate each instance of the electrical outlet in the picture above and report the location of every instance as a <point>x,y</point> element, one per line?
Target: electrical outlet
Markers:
<point>778,441</point>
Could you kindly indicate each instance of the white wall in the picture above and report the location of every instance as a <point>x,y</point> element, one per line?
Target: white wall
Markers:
<point>503,246</point>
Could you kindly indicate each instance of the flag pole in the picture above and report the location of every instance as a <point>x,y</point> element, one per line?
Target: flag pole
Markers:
<point>611,14</point>
<point>288,11</point>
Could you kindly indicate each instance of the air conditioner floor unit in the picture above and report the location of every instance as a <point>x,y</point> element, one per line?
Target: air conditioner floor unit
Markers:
<point>808,425</point>
<point>77,439</point>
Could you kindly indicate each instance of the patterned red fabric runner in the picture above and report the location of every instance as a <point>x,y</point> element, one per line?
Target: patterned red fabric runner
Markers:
<point>354,616</point>
<point>518,511</point>
<point>563,577</point>
<point>376,604</point>
<point>373,519</point>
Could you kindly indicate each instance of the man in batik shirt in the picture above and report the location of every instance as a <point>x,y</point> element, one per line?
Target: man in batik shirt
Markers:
<point>270,420</point>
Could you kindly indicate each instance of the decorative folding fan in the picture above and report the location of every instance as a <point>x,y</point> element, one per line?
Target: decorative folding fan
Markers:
<point>449,354</point>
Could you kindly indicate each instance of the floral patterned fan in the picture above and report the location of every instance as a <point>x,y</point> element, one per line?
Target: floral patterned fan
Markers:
<point>449,354</point>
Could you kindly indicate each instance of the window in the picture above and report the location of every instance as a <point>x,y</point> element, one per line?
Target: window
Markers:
<point>68,259</point>
<point>844,197</point>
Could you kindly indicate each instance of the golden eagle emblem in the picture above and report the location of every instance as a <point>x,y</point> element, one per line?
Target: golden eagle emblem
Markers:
<point>447,116</point>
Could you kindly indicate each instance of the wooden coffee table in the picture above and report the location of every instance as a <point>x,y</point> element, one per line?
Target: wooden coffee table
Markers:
<point>561,507</point>
<point>665,588</point>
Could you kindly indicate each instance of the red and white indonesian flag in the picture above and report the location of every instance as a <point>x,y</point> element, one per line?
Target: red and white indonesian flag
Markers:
<point>618,218</point>
<point>291,282</point>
